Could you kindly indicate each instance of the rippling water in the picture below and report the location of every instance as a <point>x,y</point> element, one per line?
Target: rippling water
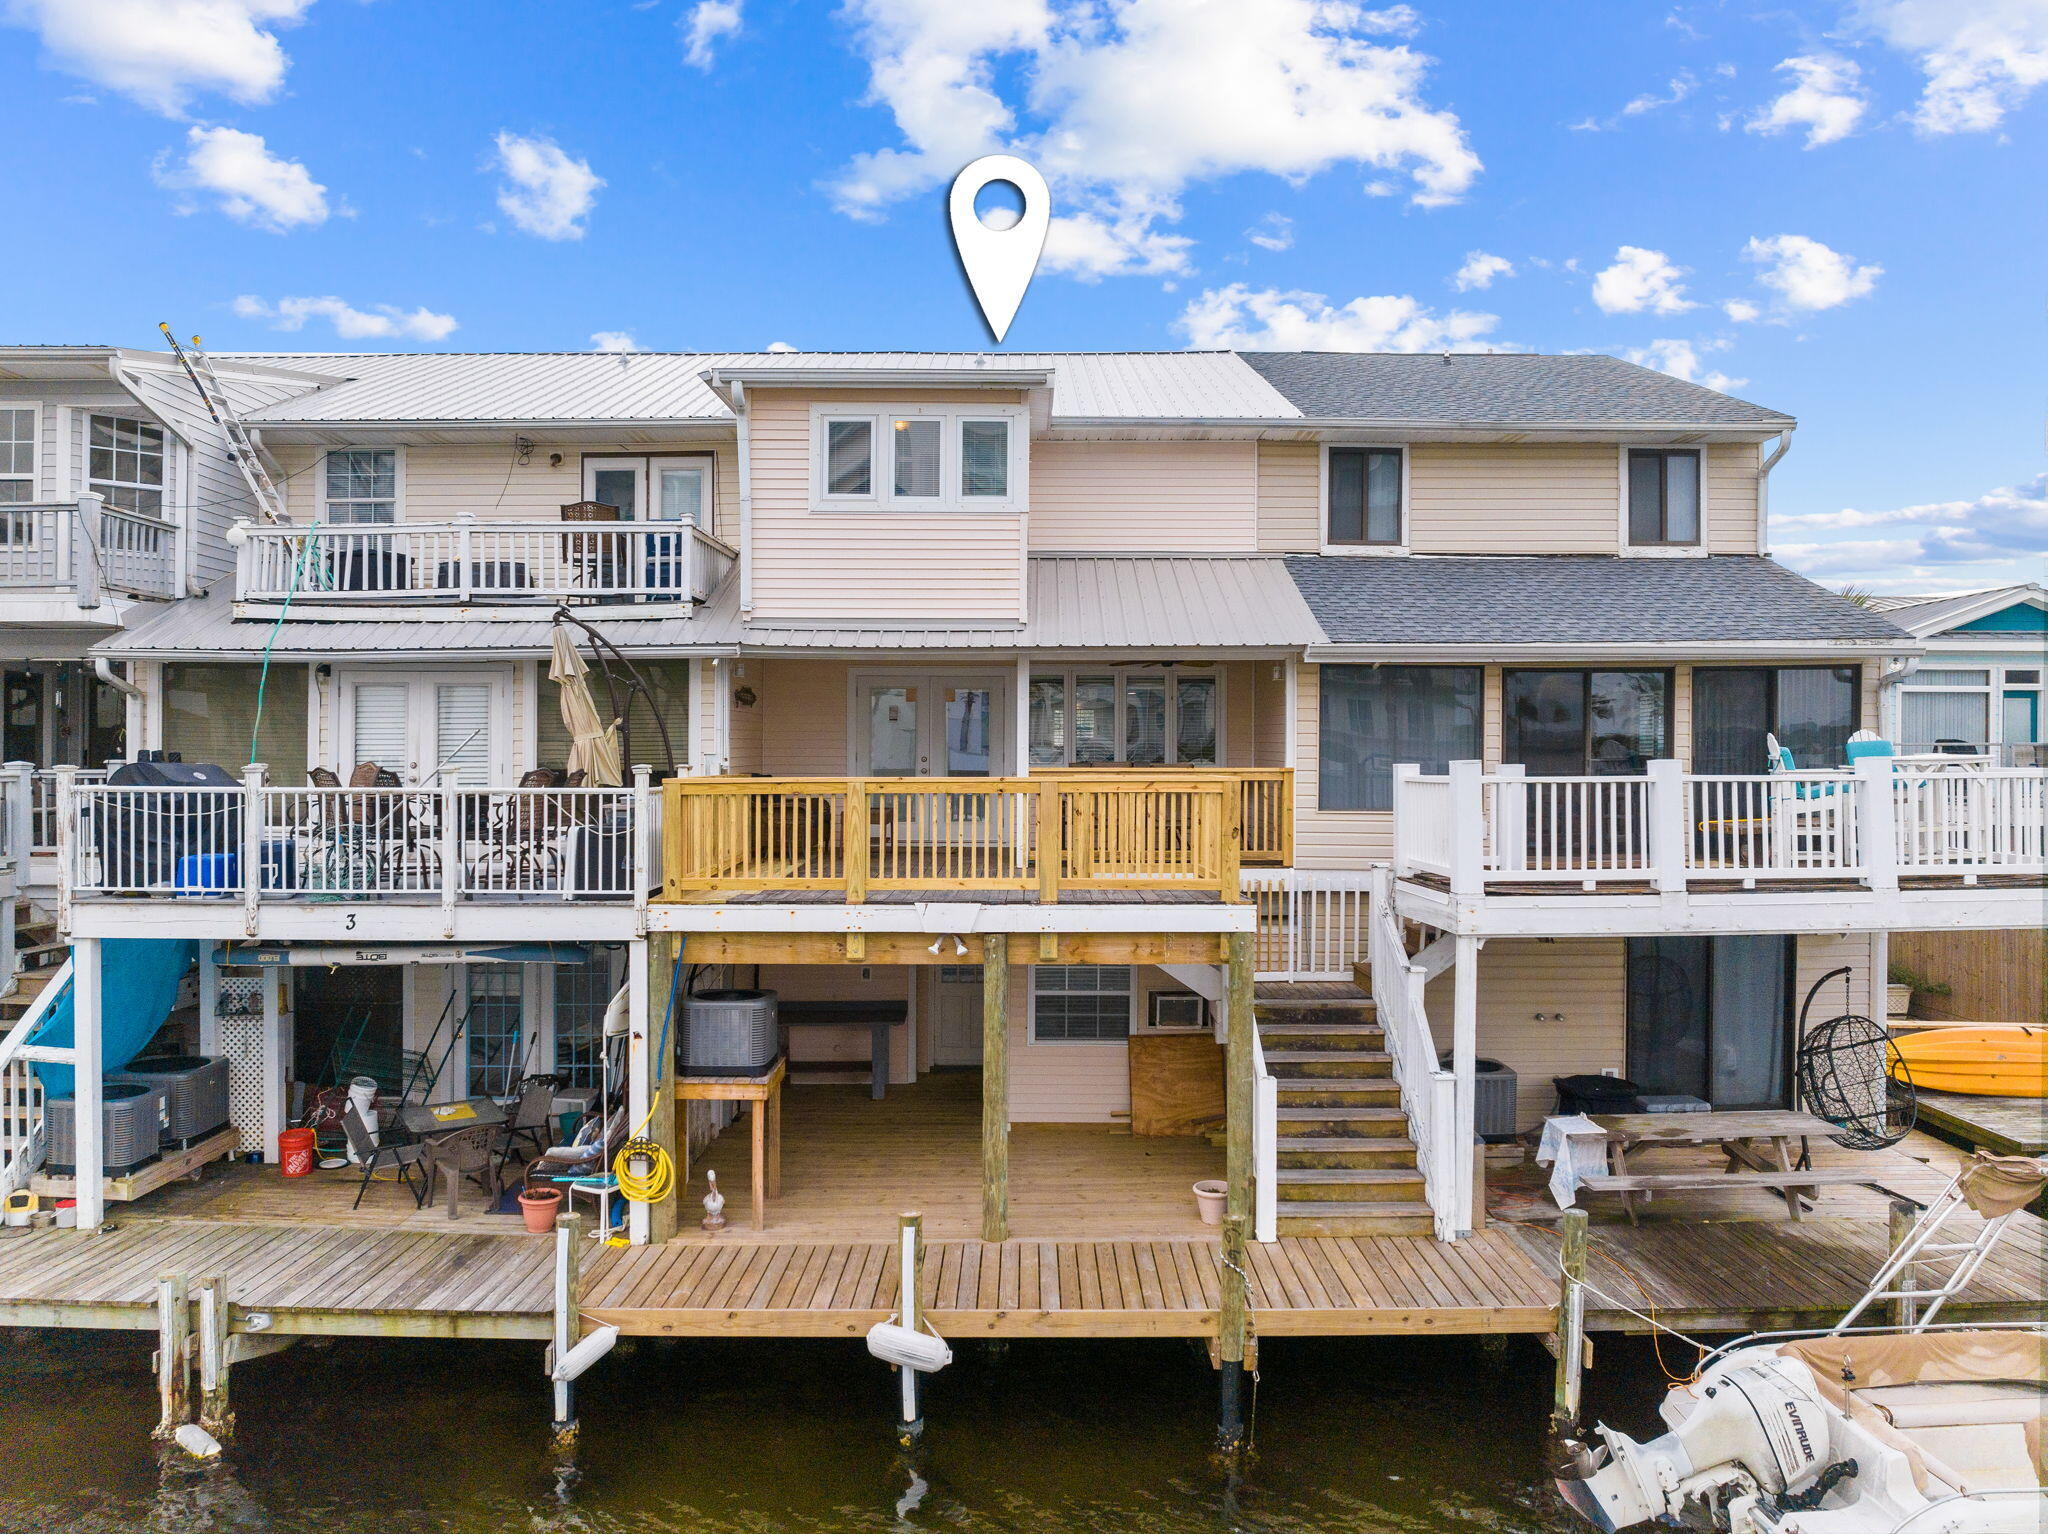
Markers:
<point>1353,1437</point>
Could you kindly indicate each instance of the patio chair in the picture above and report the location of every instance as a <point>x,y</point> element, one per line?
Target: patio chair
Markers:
<point>463,1153</point>
<point>376,1157</point>
<point>528,1124</point>
<point>521,852</point>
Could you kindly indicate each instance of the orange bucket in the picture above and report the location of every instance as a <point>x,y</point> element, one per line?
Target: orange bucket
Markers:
<point>295,1151</point>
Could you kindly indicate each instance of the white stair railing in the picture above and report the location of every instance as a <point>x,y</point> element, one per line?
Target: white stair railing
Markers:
<point>22,1139</point>
<point>1265,1143</point>
<point>1429,1094</point>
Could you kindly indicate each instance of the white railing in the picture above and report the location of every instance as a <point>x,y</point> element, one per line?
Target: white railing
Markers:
<point>1668,828</point>
<point>1265,1144</point>
<point>89,548</point>
<point>22,1142</point>
<point>455,844</point>
<point>1429,1094</point>
<point>472,561</point>
<point>42,821</point>
<point>1311,924</point>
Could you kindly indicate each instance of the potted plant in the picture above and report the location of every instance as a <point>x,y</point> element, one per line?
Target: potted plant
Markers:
<point>538,1206</point>
<point>1903,985</point>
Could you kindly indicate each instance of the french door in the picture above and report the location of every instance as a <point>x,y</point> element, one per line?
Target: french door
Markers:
<point>433,729</point>
<point>932,725</point>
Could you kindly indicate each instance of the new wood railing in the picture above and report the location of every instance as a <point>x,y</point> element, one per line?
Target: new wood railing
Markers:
<point>1266,805</point>
<point>1049,834</point>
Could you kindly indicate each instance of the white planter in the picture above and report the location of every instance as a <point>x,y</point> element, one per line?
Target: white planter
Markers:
<point>1898,1000</point>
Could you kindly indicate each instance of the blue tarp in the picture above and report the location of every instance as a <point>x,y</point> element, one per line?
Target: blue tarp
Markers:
<point>139,980</point>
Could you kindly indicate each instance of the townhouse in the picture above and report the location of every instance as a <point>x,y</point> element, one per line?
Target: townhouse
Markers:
<point>1029,709</point>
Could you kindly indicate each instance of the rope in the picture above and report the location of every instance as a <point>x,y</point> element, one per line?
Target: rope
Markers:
<point>306,546</point>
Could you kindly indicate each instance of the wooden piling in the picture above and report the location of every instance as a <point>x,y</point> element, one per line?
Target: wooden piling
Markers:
<point>215,1355</point>
<point>910,1385</point>
<point>1571,1326</point>
<point>173,1353</point>
<point>568,1325</point>
<point>1239,1022</point>
<point>995,1087</point>
<point>1233,1325</point>
<point>665,1127</point>
<point>1904,1215</point>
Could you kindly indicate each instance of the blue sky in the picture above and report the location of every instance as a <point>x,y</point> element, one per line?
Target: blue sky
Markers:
<point>1832,208</point>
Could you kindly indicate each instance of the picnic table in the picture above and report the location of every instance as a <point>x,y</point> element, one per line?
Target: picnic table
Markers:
<point>1757,1143</point>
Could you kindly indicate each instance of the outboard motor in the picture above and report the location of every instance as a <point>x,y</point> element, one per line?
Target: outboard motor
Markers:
<point>1749,1430</point>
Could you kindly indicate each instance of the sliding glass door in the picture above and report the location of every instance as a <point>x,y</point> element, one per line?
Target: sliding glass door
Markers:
<point>1812,710</point>
<point>1568,724</point>
<point>1711,1018</point>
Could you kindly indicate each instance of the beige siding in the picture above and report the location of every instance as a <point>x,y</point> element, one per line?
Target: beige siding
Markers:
<point>872,566</point>
<point>1584,979</point>
<point>1290,497</point>
<point>1731,482</point>
<point>802,708</point>
<point>1513,499</point>
<point>848,1047</point>
<point>1071,1083</point>
<point>1818,955</point>
<point>1267,709</point>
<point>1329,838</point>
<point>1180,497</point>
<point>486,481</point>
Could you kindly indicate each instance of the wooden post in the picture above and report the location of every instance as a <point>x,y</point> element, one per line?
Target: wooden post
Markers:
<point>666,1127</point>
<point>1465,1066</point>
<point>857,846</point>
<point>88,1086</point>
<point>1051,799</point>
<point>1230,804</point>
<point>1239,1021</point>
<point>214,1357</point>
<point>1233,1326</point>
<point>1904,1215</point>
<point>995,1087</point>
<point>173,1352</point>
<point>910,1270</point>
<point>568,1278</point>
<point>1571,1326</point>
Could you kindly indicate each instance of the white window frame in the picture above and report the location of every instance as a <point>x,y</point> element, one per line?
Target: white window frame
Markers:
<point>34,476</point>
<point>1367,550</point>
<point>1992,690</point>
<point>882,495</point>
<point>1135,994</point>
<point>1171,675</point>
<point>165,487</point>
<point>397,482</point>
<point>1631,550</point>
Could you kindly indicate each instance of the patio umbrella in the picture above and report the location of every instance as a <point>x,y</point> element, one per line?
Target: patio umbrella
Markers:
<point>594,746</point>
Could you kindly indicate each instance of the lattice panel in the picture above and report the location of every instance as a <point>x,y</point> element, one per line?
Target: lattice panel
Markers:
<point>240,1011</point>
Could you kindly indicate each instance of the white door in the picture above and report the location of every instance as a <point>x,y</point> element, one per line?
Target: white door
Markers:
<point>956,1011</point>
<point>437,729</point>
<point>911,725</point>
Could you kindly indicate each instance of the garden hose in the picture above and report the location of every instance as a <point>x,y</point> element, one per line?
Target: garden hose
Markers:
<point>649,1186</point>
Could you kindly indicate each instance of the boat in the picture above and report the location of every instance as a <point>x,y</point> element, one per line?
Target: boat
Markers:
<point>1991,1061</point>
<point>1920,1429</point>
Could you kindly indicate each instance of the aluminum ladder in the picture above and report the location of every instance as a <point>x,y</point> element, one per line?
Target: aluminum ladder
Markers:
<point>269,501</point>
<point>1921,1243</point>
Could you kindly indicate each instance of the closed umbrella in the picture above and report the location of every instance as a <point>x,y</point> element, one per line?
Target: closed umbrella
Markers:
<point>594,746</point>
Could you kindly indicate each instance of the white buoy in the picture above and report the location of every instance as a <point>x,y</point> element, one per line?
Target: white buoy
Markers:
<point>196,1441</point>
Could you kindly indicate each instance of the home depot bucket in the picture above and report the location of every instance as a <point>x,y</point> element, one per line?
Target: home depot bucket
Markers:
<point>295,1152</point>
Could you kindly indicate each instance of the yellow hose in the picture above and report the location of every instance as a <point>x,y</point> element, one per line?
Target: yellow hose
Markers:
<point>650,1186</point>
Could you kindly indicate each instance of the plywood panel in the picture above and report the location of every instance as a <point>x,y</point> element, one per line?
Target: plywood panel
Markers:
<point>1176,1084</point>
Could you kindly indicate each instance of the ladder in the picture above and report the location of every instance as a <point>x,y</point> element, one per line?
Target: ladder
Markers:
<point>269,502</point>
<point>1966,1256</point>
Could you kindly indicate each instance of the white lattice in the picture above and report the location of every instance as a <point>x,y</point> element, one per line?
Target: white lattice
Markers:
<point>241,1040</point>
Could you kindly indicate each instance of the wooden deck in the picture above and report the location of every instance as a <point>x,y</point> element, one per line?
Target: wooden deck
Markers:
<point>2008,1126</point>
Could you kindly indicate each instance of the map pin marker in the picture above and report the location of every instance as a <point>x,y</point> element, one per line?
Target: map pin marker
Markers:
<point>999,261</point>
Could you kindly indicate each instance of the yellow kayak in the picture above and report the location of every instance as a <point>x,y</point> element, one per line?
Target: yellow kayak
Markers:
<point>2009,1061</point>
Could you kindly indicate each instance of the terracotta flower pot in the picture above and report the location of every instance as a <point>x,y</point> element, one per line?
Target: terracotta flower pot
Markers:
<point>539,1208</point>
<point>1209,1201</point>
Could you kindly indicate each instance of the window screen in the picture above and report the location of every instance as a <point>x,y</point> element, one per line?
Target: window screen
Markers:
<point>1080,1002</point>
<point>17,455</point>
<point>850,458</point>
<point>1365,495</point>
<point>984,458</point>
<point>362,485</point>
<point>919,443</point>
<point>669,680</point>
<point>126,463</point>
<point>1375,716</point>
<point>1663,496</point>
<point>210,711</point>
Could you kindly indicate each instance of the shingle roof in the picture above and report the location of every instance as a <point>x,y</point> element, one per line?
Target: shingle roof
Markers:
<point>1442,600</point>
<point>1932,614</point>
<point>1509,388</point>
<point>669,386</point>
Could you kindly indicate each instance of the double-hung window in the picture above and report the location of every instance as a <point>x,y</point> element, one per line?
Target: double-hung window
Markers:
<point>361,486</point>
<point>917,460</point>
<point>1375,716</point>
<point>125,463</point>
<point>17,455</point>
<point>1363,494</point>
<point>1081,1003</point>
<point>1663,497</point>
<point>1143,718</point>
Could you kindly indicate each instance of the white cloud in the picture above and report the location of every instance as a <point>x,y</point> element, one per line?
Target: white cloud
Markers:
<point>349,322</point>
<point>1641,281</point>
<point>780,346</point>
<point>547,192</point>
<point>1808,276</point>
<point>1682,85</point>
<point>1682,359</point>
<point>162,52</point>
<point>1993,539</point>
<point>1273,232</point>
<point>705,25</point>
<point>252,185</point>
<point>1826,99</point>
<point>1125,103</point>
<point>1242,318</point>
<point>1479,271</point>
<point>614,341</point>
<point>1742,311</point>
<point>1981,58</point>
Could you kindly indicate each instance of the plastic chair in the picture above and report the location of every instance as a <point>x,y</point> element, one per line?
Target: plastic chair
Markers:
<point>465,1153</point>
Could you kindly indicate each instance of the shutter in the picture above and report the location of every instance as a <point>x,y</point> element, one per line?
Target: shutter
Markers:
<point>380,727</point>
<point>462,733</point>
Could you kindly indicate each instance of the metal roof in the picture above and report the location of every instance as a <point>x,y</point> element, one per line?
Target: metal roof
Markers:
<point>669,386</point>
<point>1497,388</point>
<point>1456,600</point>
<point>1931,614</point>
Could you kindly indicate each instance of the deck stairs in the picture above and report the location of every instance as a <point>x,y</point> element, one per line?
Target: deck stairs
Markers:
<point>1346,1163</point>
<point>39,952</point>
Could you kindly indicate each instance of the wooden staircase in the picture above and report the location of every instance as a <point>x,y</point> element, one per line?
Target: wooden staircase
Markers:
<point>1347,1165</point>
<point>42,954</point>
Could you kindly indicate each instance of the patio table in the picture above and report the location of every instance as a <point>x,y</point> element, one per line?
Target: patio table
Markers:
<point>425,1120</point>
<point>1757,1143</point>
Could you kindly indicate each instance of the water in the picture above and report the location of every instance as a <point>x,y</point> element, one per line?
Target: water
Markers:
<point>1367,1436</point>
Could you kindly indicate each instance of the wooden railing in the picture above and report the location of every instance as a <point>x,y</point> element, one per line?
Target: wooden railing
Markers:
<point>1266,805</point>
<point>1050,834</point>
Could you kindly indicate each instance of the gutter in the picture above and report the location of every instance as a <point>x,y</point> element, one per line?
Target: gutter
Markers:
<point>1763,489</point>
<point>744,450</point>
<point>103,668</point>
<point>1682,650</point>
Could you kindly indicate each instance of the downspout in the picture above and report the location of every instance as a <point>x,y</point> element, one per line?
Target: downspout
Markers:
<point>137,724</point>
<point>1763,490</point>
<point>739,410</point>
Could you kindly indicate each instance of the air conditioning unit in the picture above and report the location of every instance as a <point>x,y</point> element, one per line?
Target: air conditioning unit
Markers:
<point>195,1089</point>
<point>729,1033</point>
<point>131,1128</point>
